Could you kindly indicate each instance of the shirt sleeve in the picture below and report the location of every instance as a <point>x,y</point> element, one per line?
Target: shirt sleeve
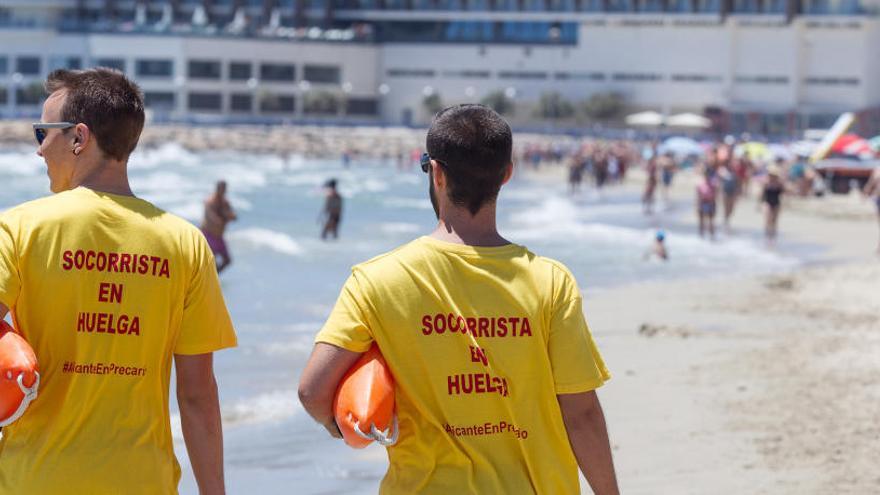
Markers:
<point>10,278</point>
<point>577,365</point>
<point>206,325</point>
<point>348,327</point>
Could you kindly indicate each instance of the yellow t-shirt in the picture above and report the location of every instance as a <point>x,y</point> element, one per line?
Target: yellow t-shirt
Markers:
<point>106,289</point>
<point>480,341</point>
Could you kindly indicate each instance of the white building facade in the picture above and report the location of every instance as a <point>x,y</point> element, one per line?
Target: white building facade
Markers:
<point>761,66</point>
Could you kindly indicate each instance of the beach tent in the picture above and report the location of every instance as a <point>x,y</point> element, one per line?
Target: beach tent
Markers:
<point>646,119</point>
<point>681,147</point>
<point>852,145</point>
<point>690,120</point>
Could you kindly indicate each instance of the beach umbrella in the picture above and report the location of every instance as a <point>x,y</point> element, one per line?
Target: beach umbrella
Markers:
<point>875,143</point>
<point>691,120</point>
<point>680,147</point>
<point>647,119</point>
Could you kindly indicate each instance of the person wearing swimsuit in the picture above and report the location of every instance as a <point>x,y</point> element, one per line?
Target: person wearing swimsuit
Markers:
<point>707,194</point>
<point>771,198</point>
<point>872,190</point>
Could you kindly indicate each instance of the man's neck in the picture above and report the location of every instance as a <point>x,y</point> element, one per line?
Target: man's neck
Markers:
<point>458,226</point>
<point>110,177</point>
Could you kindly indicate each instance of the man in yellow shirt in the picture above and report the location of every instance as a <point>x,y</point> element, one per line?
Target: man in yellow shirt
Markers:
<point>494,365</point>
<point>107,289</point>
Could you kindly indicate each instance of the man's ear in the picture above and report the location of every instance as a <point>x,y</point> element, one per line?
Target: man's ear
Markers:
<point>439,175</point>
<point>508,173</point>
<point>82,137</point>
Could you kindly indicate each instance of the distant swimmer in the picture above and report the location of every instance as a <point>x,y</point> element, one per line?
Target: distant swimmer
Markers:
<point>496,387</point>
<point>658,249</point>
<point>331,215</point>
<point>218,213</point>
<point>109,291</point>
<point>872,190</point>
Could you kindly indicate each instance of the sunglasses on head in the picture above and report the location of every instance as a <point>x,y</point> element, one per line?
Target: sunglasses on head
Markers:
<point>40,129</point>
<point>425,162</point>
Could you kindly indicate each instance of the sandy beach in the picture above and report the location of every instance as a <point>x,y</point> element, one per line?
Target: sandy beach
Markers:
<point>750,384</point>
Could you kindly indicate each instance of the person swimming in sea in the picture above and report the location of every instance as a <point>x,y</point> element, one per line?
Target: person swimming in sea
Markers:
<point>332,212</point>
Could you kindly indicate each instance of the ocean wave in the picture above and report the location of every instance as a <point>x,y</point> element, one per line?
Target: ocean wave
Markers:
<point>399,228</point>
<point>265,238</point>
<point>169,154</point>
<point>21,164</point>
<point>409,203</point>
<point>271,407</point>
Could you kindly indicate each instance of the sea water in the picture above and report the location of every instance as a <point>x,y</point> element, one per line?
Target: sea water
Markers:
<point>284,279</point>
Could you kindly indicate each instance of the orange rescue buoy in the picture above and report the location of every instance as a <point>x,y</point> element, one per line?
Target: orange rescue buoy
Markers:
<point>19,375</point>
<point>364,402</point>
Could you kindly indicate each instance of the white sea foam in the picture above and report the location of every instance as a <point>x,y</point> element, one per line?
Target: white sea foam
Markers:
<point>399,228</point>
<point>169,154</point>
<point>21,164</point>
<point>271,407</point>
<point>266,238</point>
<point>409,203</point>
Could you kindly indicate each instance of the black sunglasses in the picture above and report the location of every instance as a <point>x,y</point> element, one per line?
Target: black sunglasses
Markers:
<point>425,162</point>
<point>40,129</point>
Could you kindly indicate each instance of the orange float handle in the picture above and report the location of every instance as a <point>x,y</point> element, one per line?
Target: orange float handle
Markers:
<point>17,365</point>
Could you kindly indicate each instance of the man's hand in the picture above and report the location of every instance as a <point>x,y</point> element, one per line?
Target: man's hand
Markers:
<point>585,424</point>
<point>319,381</point>
<point>200,418</point>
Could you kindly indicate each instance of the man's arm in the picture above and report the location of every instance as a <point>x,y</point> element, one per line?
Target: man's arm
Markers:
<point>200,418</point>
<point>320,379</point>
<point>585,424</point>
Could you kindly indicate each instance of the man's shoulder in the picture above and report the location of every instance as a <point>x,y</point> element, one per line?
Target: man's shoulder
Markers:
<point>55,205</point>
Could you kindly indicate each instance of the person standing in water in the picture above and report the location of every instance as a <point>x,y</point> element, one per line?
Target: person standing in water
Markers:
<point>771,199</point>
<point>332,213</point>
<point>218,213</point>
<point>707,197</point>
<point>109,290</point>
<point>494,366</point>
<point>872,190</point>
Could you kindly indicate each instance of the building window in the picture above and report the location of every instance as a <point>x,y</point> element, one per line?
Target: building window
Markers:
<point>362,106</point>
<point>579,76</point>
<point>832,81</point>
<point>322,74</point>
<point>636,77</point>
<point>277,72</point>
<point>154,68</point>
<point>32,94</point>
<point>3,95</point>
<point>695,78</point>
<point>277,103</point>
<point>4,65</point>
<point>203,69</point>
<point>467,74</point>
<point>28,66</point>
<point>62,62</point>
<point>205,101</point>
<point>762,79</point>
<point>522,74</point>
<point>111,63</point>
<point>240,71</point>
<point>241,102</point>
<point>410,73</point>
<point>159,100</point>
